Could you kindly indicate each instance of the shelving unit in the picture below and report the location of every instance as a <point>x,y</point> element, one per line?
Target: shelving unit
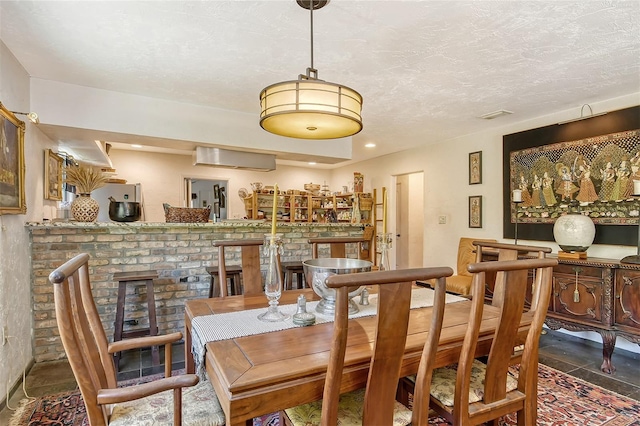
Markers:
<point>377,220</point>
<point>300,208</point>
<point>308,208</point>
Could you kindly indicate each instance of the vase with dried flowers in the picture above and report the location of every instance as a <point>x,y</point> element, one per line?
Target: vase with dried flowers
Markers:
<point>85,179</point>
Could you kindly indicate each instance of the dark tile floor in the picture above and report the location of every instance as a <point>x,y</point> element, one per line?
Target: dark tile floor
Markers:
<point>582,358</point>
<point>575,356</point>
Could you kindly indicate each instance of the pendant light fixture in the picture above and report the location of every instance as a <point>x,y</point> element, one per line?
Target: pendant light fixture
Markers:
<point>309,108</point>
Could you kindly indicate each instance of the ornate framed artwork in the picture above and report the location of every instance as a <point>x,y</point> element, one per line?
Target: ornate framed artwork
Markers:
<point>52,176</point>
<point>12,166</point>
<point>475,168</point>
<point>587,165</point>
<point>475,211</point>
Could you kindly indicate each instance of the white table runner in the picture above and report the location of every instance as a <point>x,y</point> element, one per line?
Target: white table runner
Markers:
<point>212,328</point>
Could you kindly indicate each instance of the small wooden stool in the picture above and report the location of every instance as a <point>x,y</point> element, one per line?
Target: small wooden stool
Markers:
<point>233,275</point>
<point>136,278</point>
<point>290,268</point>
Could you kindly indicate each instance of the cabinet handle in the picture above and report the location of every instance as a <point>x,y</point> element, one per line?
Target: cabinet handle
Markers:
<point>576,293</point>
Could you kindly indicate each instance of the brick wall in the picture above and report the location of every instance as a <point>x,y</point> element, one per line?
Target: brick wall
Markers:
<point>178,252</point>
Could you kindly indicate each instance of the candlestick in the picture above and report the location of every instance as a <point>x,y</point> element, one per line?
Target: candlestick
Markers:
<point>384,210</point>
<point>517,195</point>
<point>517,203</point>
<point>274,212</point>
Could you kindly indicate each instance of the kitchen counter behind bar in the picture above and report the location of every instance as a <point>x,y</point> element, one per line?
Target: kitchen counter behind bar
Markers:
<point>179,252</point>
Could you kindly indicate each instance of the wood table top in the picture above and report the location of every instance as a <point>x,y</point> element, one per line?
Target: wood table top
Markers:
<point>258,374</point>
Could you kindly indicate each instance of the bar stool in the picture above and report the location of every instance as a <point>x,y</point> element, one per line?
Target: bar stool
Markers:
<point>289,269</point>
<point>233,275</point>
<point>337,245</point>
<point>135,278</point>
<point>251,274</point>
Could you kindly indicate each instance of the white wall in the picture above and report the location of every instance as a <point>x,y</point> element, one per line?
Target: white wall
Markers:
<point>416,219</point>
<point>15,265</point>
<point>446,189</point>
<point>162,178</point>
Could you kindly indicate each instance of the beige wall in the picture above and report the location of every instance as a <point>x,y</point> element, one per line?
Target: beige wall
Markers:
<point>15,265</point>
<point>162,178</point>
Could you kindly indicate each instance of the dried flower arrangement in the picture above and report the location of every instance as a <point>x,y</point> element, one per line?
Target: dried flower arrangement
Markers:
<point>85,179</point>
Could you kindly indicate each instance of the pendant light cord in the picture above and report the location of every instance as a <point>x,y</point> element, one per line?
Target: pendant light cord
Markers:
<point>311,9</point>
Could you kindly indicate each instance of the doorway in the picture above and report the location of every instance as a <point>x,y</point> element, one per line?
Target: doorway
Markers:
<point>409,220</point>
<point>207,192</point>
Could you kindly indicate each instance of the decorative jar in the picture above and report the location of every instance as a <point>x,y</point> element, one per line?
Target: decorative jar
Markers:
<point>574,232</point>
<point>84,208</point>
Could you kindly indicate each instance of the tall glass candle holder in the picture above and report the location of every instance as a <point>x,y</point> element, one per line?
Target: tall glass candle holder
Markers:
<point>273,280</point>
<point>384,242</point>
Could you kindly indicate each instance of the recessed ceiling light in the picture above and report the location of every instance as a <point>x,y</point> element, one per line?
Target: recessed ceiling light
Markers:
<point>370,145</point>
<point>312,163</point>
<point>495,114</point>
<point>136,146</point>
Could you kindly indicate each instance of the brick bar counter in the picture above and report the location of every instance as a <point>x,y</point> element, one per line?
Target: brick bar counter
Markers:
<point>179,252</point>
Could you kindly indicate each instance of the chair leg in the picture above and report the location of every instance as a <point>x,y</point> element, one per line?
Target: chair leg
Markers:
<point>119,323</point>
<point>300,277</point>
<point>153,320</point>
<point>213,288</point>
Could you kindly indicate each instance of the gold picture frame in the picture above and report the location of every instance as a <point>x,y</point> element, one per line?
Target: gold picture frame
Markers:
<point>475,211</point>
<point>475,168</point>
<point>52,176</point>
<point>12,166</point>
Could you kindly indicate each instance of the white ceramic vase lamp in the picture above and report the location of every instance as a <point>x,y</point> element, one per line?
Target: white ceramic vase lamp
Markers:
<point>574,232</point>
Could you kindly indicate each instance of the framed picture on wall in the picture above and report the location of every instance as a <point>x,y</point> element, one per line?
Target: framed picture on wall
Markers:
<point>475,211</point>
<point>216,191</point>
<point>475,167</point>
<point>52,176</point>
<point>12,167</point>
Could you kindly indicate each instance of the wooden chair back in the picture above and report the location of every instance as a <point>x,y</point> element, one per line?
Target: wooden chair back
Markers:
<point>496,402</point>
<point>337,245</point>
<point>394,299</point>
<point>251,274</point>
<point>505,252</point>
<point>82,335</point>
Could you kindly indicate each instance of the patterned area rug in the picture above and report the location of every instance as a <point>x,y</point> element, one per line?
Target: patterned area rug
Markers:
<point>562,400</point>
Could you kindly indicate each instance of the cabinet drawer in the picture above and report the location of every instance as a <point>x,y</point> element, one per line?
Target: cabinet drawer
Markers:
<point>583,271</point>
<point>626,306</point>
<point>579,298</point>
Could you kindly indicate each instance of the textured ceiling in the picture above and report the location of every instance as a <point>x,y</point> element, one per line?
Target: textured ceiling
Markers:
<point>426,69</point>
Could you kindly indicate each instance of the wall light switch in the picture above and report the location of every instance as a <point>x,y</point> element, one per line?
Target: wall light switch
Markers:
<point>442,220</point>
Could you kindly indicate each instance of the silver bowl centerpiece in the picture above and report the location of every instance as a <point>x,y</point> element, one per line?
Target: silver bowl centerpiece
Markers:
<point>316,272</point>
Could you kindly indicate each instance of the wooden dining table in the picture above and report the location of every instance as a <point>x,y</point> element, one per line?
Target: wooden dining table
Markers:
<point>264,373</point>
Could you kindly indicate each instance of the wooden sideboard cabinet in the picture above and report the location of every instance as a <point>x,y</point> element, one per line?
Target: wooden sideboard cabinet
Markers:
<point>594,294</point>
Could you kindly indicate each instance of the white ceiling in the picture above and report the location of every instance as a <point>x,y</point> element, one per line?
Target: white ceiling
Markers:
<point>426,69</point>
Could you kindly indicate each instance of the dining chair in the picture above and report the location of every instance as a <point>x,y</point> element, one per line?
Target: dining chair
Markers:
<point>503,251</point>
<point>91,359</point>
<point>376,404</point>
<point>251,276</point>
<point>473,392</point>
<point>337,245</point>
<point>460,283</point>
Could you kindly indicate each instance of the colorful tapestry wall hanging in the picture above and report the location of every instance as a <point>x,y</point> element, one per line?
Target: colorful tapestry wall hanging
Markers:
<point>596,172</point>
